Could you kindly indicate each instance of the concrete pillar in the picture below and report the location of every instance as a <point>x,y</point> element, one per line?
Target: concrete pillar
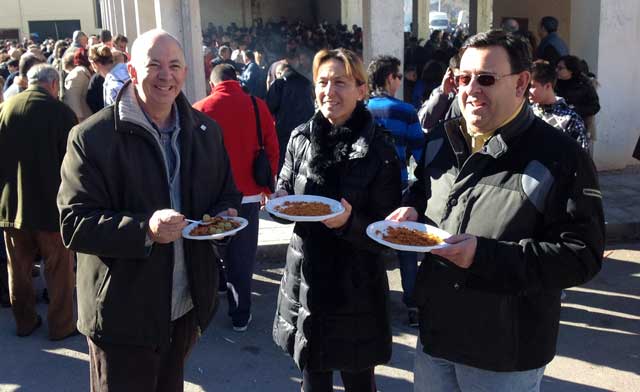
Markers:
<point>383,28</point>
<point>145,15</point>
<point>129,20</point>
<point>119,18</point>
<point>420,19</point>
<point>113,12</point>
<point>114,16</point>
<point>618,122</point>
<point>247,13</point>
<point>182,19</point>
<point>480,15</point>
<point>107,14</point>
<point>103,13</point>
<point>351,12</point>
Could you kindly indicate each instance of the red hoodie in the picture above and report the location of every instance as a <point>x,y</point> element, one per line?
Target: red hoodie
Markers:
<point>232,109</point>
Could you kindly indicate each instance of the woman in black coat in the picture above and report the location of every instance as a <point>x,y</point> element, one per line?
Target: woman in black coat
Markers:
<point>576,87</point>
<point>332,311</point>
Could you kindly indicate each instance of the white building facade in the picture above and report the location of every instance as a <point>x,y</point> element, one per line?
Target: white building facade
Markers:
<point>604,32</point>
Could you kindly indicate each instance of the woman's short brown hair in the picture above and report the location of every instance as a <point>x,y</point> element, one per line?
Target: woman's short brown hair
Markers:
<point>101,54</point>
<point>352,64</point>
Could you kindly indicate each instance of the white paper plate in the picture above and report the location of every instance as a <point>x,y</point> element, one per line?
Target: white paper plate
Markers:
<point>336,207</point>
<point>185,232</point>
<point>377,229</point>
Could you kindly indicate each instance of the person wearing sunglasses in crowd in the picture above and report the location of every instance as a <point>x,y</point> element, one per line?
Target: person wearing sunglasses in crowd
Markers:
<point>522,203</point>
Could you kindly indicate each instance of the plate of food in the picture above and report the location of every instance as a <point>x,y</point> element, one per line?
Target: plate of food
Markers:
<point>408,236</point>
<point>304,208</point>
<point>214,228</point>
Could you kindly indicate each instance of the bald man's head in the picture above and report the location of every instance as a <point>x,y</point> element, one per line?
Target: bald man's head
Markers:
<point>158,70</point>
<point>148,39</point>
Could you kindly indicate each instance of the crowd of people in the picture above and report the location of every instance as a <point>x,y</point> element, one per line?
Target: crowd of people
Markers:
<point>500,146</point>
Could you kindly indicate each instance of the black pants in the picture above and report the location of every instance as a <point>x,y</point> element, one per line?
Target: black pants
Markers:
<point>126,368</point>
<point>4,279</point>
<point>353,382</point>
<point>239,262</point>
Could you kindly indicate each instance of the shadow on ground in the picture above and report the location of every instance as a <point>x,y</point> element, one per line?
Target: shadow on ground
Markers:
<point>606,315</point>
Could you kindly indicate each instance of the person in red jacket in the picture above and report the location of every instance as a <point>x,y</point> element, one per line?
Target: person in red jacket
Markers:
<point>233,110</point>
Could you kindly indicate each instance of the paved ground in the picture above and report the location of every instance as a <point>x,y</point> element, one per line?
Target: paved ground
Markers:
<point>621,197</point>
<point>598,350</point>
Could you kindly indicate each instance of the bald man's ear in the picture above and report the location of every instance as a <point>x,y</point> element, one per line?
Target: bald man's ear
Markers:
<point>132,72</point>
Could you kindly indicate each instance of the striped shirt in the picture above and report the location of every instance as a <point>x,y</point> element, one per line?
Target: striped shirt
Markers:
<point>401,119</point>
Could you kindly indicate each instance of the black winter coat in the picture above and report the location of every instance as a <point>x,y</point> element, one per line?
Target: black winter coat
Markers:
<point>579,93</point>
<point>332,311</point>
<point>113,179</point>
<point>531,197</point>
<point>290,100</point>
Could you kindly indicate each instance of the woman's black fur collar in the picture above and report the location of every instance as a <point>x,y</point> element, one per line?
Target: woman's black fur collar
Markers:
<point>332,145</point>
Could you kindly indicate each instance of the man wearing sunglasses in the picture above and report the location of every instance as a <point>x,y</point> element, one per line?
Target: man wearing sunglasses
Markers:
<point>521,201</point>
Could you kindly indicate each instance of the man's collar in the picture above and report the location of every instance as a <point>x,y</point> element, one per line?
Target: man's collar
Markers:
<point>173,123</point>
<point>502,138</point>
<point>506,133</point>
<point>37,87</point>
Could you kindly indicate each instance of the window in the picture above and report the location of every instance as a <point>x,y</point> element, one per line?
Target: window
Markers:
<point>57,29</point>
<point>9,34</point>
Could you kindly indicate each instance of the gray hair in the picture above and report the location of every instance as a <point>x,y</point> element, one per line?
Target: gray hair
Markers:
<point>42,73</point>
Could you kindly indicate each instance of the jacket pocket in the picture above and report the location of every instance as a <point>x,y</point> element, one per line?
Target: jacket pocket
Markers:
<point>104,285</point>
<point>479,327</point>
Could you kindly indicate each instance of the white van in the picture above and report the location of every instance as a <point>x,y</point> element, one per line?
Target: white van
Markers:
<point>438,21</point>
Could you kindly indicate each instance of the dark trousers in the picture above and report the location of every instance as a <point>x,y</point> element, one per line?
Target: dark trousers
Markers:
<point>239,261</point>
<point>363,381</point>
<point>408,262</point>
<point>4,279</point>
<point>22,247</point>
<point>126,368</point>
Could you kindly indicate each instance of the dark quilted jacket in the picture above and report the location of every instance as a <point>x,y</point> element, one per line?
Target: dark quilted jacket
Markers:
<point>332,311</point>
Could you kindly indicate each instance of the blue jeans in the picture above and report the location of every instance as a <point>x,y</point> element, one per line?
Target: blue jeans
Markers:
<point>433,374</point>
<point>239,260</point>
<point>408,271</point>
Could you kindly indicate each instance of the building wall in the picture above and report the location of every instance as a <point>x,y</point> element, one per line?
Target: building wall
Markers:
<point>224,12</point>
<point>33,10</point>
<point>618,122</point>
<point>534,10</point>
<point>330,10</point>
<point>221,12</point>
<point>10,15</point>
<point>585,29</point>
<point>351,12</point>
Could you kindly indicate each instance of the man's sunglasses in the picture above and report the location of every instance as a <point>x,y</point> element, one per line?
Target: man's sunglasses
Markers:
<point>398,76</point>
<point>484,79</point>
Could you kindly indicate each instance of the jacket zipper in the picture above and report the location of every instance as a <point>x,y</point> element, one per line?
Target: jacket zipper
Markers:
<point>145,135</point>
